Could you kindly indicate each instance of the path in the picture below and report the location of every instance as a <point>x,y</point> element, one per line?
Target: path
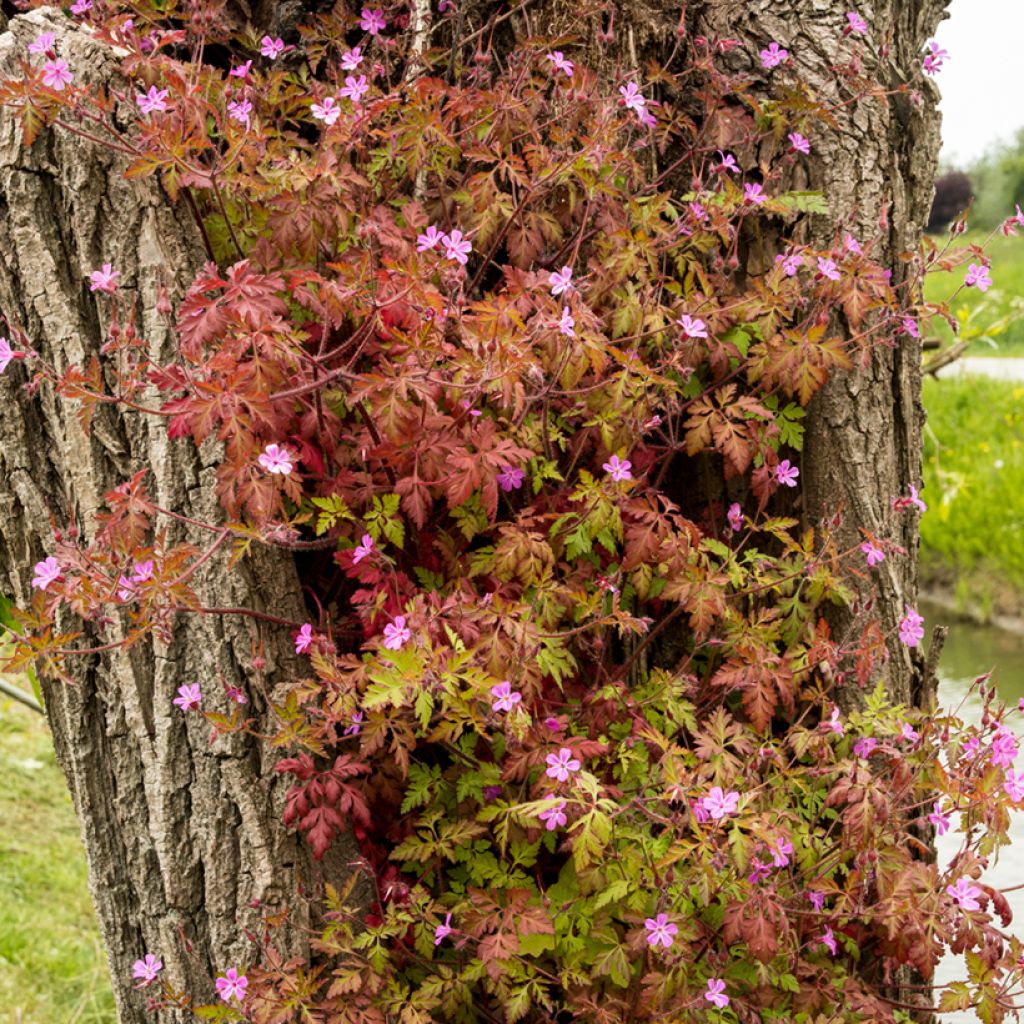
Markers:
<point>1011,368</point>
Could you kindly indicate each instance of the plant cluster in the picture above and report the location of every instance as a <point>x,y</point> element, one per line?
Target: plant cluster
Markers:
<point>525,352</point>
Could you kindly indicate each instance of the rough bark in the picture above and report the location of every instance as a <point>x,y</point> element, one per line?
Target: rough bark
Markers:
<point>184,838</point>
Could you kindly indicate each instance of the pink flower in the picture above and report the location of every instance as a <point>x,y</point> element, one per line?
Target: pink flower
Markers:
<point>372,20</point>
<point>716,993</point>
<point>872,553</point>
<point>396,634</point>
<point>978,277</point>
<point>938,819</point>
<point>817,899</point>
<point>272,48</point>
<point>1009,226</point>
<point>429,239</point>
<point>759,873</point>
<point>773,56</point>
<point>126,589</point>
<point>726,162</point>
<point>964,894</point>
<point>790,263</point>
<point>511,478</point>
<point>911,628</point>
<point>856,25</point>
<point>799,143</point>
<point>560,765</point>
<point>753,193</point>
<point>232,985</point>
<point>365,548</point>
<point>632,97</point>
<point>660,929</point>
<point>303,638</point>
<point>235,694</point>
<point>240,70</point>
<point>735,517</point>
<point>276,459</point>
<point>934,58</point>
<point>834,724</point>
<point>46,572</point>
<point>142,571</point>
<point>718,804</point>
<point>696,210</point>
<point>241,111</point>
<point>561,63</point>
<point>507,697</point>
<point>560,280</point>
<point>147,970</point>
<point>618,469</point>
<point>327,111</point>
<point>553,724</point>
<point>786,473</point>
<point>901,502</point>
<point>567,325</point>
<point>910,327</point>
<point>850,244</point>
<point>554,817</point>
<point>57,74</point>
<point>827,268</point>
<point>456,247</point>
<point>692,327</point>
<point>780,852</point>
<point>1004,747</point>
<point>104,280</point>
<point>189,697</point>
<point>81,7</point>
<point>1014,785</point>
<point>351,59</point>
<point>42,44</point>
<point>865,746</point>
<point>353,729</point>
<point>908,732</point>
<point>355,88</point>
<point>153,101</point>
<point>828,939</point>
<point>443,930</point>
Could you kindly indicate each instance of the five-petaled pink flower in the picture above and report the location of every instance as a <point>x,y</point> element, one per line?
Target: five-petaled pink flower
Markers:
<point>855,24</point>
<point>978,277</point>
<point>554,817</point>
<point>364,548</point>
<point>934,58</point>
<point>790,263</point>
<point>355,88</point>
<point>429,239</point>
<point>760,871</point>
<point>81,7</point>
<point>780,852</point>
<point>939,819</point>
<point>240,70</point>
<point>560,765</point>
<point>908,732</point>
<point>632,97</point>
<point>865,746</point>
<point>443,930</point>
<point>827,268</point>
<point>189,697</point>
<point>618,469</point>
<point>726,162</point>
<point>693,327</point>
<point>276,459</point>
<point>735,517</point>
<point>272,48</point>
<point>718,804</point>
<point>910,327</point>
<point>850,244</point>
<point>828,939</point>
<point>964,894</point>
<point>232,985</point>
<point>146,970</point>
<point>716,993</point>
<point>567,324</point>
<point>507,697</point>
<point>872,553</point>
<point>372,20</point>
<point>786,473</point>
<point>834,723</point>
<point>773,56</point>
<point>456,247</point>
<point>396,634</point>
<point>57,74</point>
<point>43,43</point>
<point>241,111</point>
<point>104,280</point>
<point>511,478</point>
<point>1004,749</point>
<point>153,101</point>
<point>327,111</point>
<point>660,929</point>
<point>911,628</point>
<point>1014,785</point>
<point>901,502</point>
<point>799,143</point>
<point>303,638</point>
<point>817,899</point>
<point>561,63</point>
<point>46,572</point>
<point>560,280</point>
<point>754,193</point>
<point>351,59</point>
<point>357,722</point>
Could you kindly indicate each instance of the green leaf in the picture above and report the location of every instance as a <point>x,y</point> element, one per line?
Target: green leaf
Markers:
<point>805,202</point>
<point>536,943</point>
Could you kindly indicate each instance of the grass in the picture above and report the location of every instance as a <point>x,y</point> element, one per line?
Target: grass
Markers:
<point>992,316</point>
<point>972,538</point>
<point>52,968</point>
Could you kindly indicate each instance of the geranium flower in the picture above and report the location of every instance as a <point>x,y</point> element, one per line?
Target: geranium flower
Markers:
<point>799,143</point>
<point>189,697</point>
<point>276,459</point>
<point>146,970</point>
<point>272,48</point>
<point>372,20</point>
<point>507,697</point>
<point>396,634</point>
<point>718,804</point>
<point>456,247</point>
<point>964,894</point>
<point>303,638</point>
<point>364,548</point>
<point>429,239</point>
<point>57,74</point>
<point>554,817</point>
<point>561,63</point>
<point>355,88</point>
<point>828,939</point>
<point>660,929</point>
<point>560,765</point>
<point>754,193</point>
<point>716,993</point>
<point>511,478</point>
<point>865,746</point>
<point>978,277</point>
<point>43,43</point>
<point>618,469</point>
<point>152,102</point>
<point>443,930</point>
<point>773,56</point>
<point>46,572</point>
<point>327,111</point>
<point>735,517</point>
<point>872,553</point>
<point>232,985</point>
<point>911,628</point>
<point>938,819</point>
<point>567,325</point>
<point>241,111</point>
<point>855,24</point>
<point>786,473</point>
<point>351,59</point>
<point>560,280</point>
<point>827,268</point>
<point>692,326</point>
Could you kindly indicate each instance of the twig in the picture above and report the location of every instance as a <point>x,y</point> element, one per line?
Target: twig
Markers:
<point>19,695</point>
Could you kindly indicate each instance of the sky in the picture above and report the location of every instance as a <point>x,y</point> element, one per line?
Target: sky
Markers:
<point>982,82</point>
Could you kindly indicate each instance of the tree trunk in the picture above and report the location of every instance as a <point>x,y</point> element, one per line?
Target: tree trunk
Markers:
<point>184,838</point>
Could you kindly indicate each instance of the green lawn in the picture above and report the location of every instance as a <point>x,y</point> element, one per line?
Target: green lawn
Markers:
<point>972,537</point>
<point>52,969</point>
<point>995,314</point>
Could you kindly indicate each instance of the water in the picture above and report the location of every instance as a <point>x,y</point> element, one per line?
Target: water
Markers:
<point>971,651</point>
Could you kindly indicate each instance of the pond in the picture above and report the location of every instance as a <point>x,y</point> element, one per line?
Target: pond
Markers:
<point>971,651</point>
